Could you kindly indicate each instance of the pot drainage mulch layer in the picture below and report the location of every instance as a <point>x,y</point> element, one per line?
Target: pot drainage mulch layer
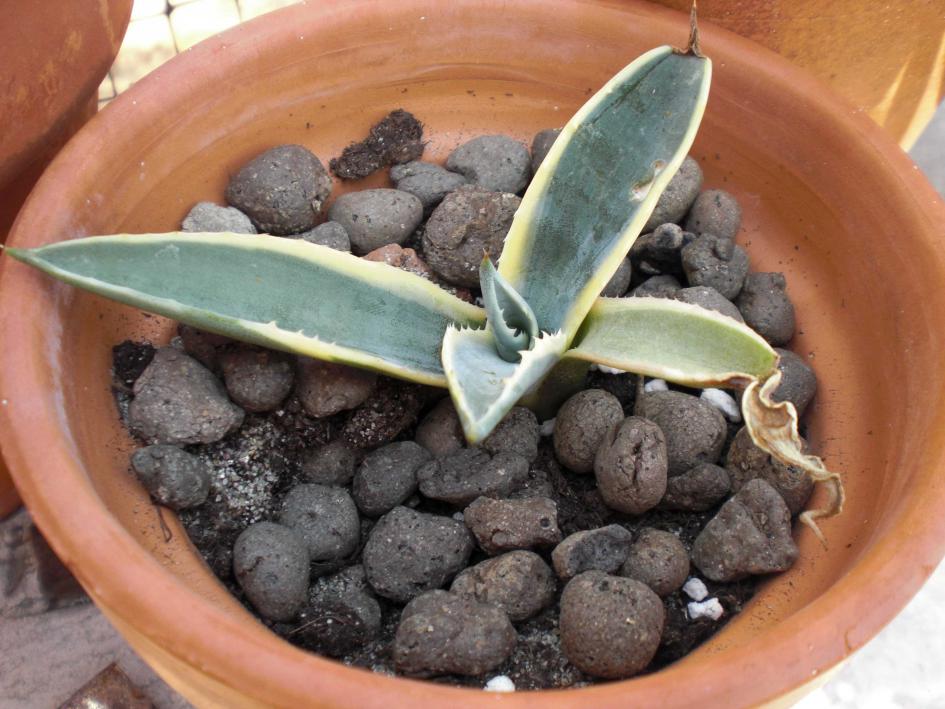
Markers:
<point>344,509</point>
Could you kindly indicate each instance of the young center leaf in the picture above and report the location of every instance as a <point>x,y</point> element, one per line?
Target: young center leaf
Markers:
<point>286,294</point>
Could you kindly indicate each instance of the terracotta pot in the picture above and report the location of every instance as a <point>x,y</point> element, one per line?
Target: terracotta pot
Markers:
<point>54,55</point>
<point>886,58</point>
<point>828,198</point>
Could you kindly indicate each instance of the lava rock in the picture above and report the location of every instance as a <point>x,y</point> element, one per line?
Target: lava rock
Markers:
<point>325,388</point>
<point>325,518</point>
<point>700,488</point>
<point>342,614</point>
<point>517,433</point>
<point>710,299</point>
<point>751,534</point>
<point>271,564</point>
<point>440,431</point>
<point>679,195</point>
<point>375,218</point>
<point>178,401</point>
<point>210,217</point>
<point>427,181</point>
<point>282,190</point>
<point>519,582</point>
<point>396,138</point>
<point>410,552</point>
<point>798,381</point>
<point>764,303</point>
<point>694,429</point>
<point>580,426</point>
<point>468,222</point>
<point>610,626</point>
<point>442,633</point>
<point>659,560</point>
<point>715,212</point>
<point>631,466</point>
<point>404,259</point>
<point>541,144</point>
<point>504,525</point>
<point>620,281</point>
<point>203,346</point>
<point>330,234</point>
<point>716,262</point>
<point>746,461</point>
<point>604,549</point>
<point>461,477</point>
<point>657,287</point>
<point>495,162</point>
<point>387,477</point>
<point>660,251</point>
<point>173,477</point>
<point>387,412</point>
<point>257,379</point>
<point>331,464</point>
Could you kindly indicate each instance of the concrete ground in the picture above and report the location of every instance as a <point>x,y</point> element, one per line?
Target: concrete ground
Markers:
<point>44,658</point>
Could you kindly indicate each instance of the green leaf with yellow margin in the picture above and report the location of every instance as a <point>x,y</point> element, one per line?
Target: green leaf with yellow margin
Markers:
<point>584,208</point>
<point>286,294</point>
<point>600,181</point>
<point>696,347</point>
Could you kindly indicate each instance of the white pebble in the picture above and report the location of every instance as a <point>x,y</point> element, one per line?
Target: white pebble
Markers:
<point>695,589</point>
<point>458,516</point>
<point>547,428</point>
<point>724,402</point>
<point>655,385</point>
<point>705,609</point>
<point>610,370</point>
<point>501,683</point>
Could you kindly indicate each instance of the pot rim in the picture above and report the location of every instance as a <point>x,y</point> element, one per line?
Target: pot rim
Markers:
<point>142,594</point>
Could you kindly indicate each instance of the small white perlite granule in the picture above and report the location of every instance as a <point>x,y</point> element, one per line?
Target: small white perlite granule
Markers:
<point>695,589</point>
<point>655,385</point>
<point>500,683</point>
<point>710,608</point>
<point>724,402</point>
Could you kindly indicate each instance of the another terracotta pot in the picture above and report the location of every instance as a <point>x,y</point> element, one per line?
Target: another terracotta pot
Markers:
<point>828,198</point>
<point>887,58</point>
<point>53,56</point>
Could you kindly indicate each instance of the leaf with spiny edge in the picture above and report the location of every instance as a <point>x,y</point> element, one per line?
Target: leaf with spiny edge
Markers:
<point>484,387</point>
<point>671,340</point>
<point>286,294</point>
<point>511,320</point>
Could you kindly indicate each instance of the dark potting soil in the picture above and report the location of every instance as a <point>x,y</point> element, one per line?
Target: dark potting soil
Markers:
<point>397,138</point>
<point>254,468</point>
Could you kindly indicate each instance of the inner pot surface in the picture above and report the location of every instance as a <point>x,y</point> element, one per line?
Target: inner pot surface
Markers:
<point>828,199</point>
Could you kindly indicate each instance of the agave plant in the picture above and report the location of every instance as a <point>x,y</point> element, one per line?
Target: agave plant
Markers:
<point>543,323</point>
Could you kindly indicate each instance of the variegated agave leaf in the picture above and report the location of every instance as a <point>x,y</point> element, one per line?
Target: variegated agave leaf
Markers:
<point>286,294</point>
<point>585,206</point>
<point>695,347</point>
